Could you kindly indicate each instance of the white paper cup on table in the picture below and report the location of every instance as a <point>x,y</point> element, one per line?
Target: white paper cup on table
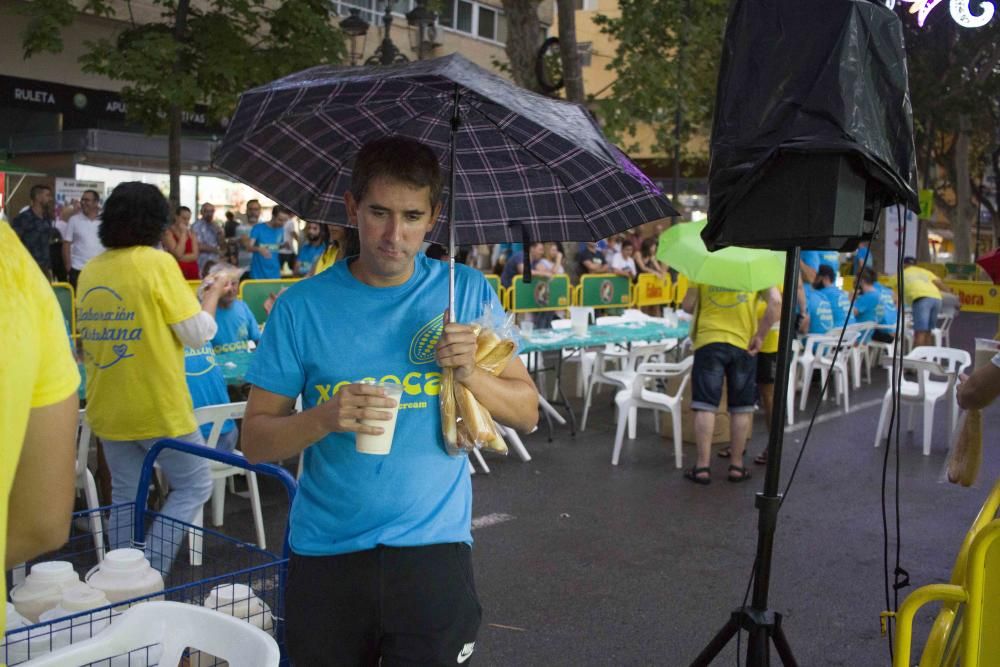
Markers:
<point>579,316</point>
<point>381,444</point>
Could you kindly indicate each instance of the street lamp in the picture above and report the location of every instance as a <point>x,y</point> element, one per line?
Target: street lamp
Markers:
<point>387,53</point>
<point>356,28</point>
<point>421,18</point>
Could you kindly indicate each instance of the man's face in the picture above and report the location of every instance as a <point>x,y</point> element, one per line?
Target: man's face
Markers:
<point>280,219</point>
<point>627,250</point>
<point>591,246</point>
<point>253,213</point>
<point>392,220</point>
<point>208,213</point>
<point>44,199</point>
<point>226,298</point>
<point>89,204</point>
<point>536,252</point>
<point>313,232</point>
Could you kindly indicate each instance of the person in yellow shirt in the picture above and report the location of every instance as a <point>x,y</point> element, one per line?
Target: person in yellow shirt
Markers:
<point>343,243</point>
<point>38,412</point>
<point>727,337</point>
<point>135,314</point>
<point>922,289</point>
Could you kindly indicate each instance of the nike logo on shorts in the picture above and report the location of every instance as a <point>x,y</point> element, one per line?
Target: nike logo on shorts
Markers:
<point>466,652</point>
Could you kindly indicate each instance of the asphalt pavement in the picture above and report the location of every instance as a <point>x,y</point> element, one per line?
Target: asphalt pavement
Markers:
<point>579,562</point>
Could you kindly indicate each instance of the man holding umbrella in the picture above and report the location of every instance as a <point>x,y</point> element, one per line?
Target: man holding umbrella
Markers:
<point>381,565</point>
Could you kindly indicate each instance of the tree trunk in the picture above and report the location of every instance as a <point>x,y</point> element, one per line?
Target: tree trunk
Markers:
<point>174,115</point>
<point>995,159</point>
<point>963,193</point>
<point>568,52</point>
<point>524,36</point>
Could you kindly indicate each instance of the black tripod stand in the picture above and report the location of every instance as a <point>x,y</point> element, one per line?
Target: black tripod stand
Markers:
<point>763,625</point>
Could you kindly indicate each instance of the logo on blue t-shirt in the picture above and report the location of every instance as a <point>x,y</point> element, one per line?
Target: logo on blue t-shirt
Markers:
<point>425,341</point>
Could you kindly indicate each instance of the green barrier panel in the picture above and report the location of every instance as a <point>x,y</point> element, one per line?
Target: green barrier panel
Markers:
<point>256,292</point>
<point>540,294</point>
<point>494,281</point>
<point>64,294</point>
<point>605,290</point>
<point>960,271</point>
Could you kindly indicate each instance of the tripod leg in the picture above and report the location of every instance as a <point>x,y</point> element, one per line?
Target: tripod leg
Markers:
<point>759,648</point>
<point>782,646</point>
<point>718,643</point>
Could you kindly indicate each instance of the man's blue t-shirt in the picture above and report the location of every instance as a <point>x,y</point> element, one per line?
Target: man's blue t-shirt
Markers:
<point>263,235</point>
<point>416,495</point>
<point>839,303</point>
<point>308,254</point>
<point>869,307</point>
<point>237,325</point>
<point>510,269</point>
<point>888,298</point>
<point>820,312</point>
<point>860,255</point>
<point>206,383</point>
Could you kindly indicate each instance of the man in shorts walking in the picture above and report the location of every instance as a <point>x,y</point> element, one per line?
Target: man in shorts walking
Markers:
<point>727,336</point>
<point>381,566</point>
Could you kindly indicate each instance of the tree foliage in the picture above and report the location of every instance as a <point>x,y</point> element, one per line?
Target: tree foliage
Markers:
<point>226,47</point>
<point>667,52</point>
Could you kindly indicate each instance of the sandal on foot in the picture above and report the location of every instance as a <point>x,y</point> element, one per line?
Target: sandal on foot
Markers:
<point>693,475</point>
<point>724,453</point>
<point>738,474</point>
<point>761,459</point>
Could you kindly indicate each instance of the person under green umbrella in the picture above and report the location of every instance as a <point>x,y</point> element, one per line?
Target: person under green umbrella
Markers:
<point>727,334</point>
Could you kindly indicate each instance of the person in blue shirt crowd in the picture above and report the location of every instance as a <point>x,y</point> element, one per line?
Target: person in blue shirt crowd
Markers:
<point>316,241</point>
<point>811,260</point>
<point>207,386</point>
<point>381,568</point>
<point>861,257</point>
<point>840,301</point>
<point>886,333</point>
<point>236,322</point>
<point>868,306</point>
<point>515,265</point>
<point>265,243</point>
<point>820,312</point>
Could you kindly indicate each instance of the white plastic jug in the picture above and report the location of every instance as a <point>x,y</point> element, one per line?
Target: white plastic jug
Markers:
<point>43,587</point>
<point>76,599</point>
<point>236,600</point>
<point>125,574</point>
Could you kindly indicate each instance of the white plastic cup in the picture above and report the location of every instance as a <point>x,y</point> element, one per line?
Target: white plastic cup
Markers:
<point>527,327</point>
<point>578,316</point>
<point>381,444</point>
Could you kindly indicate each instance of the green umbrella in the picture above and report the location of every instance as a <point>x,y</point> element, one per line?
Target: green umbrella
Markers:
<point>744,269</point>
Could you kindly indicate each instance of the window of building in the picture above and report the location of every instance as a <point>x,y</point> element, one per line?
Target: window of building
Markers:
<point>487,23</point>
<point>585,49</point>
<point>473,18</point>
<point>464,22</point>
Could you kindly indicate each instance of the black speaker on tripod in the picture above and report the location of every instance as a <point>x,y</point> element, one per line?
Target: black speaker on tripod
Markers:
<point>812,138</point>
<point>813,130</point>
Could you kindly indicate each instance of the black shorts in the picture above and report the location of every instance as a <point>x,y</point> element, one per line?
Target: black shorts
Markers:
<point>286,258</point>
<point>767,367</point>
<point>718,362</point>
<point>389,606</point>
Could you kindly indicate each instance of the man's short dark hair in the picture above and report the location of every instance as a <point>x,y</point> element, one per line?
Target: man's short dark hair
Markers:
<point>182,209</point>
<point>253,201</point>
<point>35,189</point>
<point>136,214</point>
<point>97,197</point>
<point>436,251</point>
<point>399,158</point>
<point>909,260</point>
<point>869,276</point>
<point>826,271</point>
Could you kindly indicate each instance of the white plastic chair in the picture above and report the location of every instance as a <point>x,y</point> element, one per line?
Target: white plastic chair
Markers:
<point>793,365</point>
<point>171,628</point>
<point>622,377</point>
<point>926,362</point>
<point>216,415</point>
<point>583,358</point>
<point>637,396</point>
<point>822,359</point>
<point>859,351</point>
<point>85,483</point>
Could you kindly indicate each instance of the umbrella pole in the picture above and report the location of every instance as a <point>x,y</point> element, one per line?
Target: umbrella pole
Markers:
<point>456,121</point>
<point>762,624</point>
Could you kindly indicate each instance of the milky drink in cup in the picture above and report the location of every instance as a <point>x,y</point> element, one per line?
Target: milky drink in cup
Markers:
<point>381,444</point>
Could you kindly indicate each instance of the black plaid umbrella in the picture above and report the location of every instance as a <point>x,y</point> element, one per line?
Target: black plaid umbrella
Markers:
<point>526,166</point>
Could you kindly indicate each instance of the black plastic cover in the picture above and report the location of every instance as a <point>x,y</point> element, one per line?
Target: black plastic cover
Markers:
<point>810,77</point>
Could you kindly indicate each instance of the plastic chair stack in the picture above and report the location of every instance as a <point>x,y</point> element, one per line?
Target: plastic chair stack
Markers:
<point>638,396</point>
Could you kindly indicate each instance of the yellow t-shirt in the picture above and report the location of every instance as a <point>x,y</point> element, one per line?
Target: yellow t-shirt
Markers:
<point>770,344</point>
<point>126,300</point>
<point>327,259</point>
<point>724,316</point>
<point>38,368</point>
<point>919,283</point>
